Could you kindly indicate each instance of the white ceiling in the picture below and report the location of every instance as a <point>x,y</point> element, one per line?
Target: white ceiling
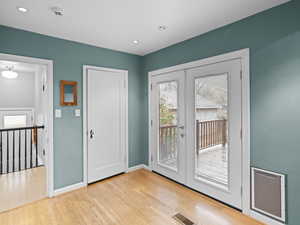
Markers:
<point>115,24</point>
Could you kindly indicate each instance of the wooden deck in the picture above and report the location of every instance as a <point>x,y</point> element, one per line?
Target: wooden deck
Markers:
<point>212,163</point>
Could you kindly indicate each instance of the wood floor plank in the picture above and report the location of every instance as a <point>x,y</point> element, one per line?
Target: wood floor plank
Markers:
<point>137,198</point>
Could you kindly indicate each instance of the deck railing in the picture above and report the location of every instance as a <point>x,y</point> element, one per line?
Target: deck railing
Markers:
<point>167,143</point>
<point>210,133</point>
<point>19,148</point>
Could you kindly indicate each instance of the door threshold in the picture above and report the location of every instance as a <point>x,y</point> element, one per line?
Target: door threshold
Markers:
<point>224,203</point>
<point>106,178</point>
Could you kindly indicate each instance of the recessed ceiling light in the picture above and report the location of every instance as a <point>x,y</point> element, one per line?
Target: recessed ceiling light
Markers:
<point>57,11</point>
<point>22,9</point>
<point>162,27</point>
<point>9,73</point>
<point>136,42</point>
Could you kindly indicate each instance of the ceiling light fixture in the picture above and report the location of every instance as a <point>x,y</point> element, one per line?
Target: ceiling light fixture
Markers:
<point>162,27</point>
<point>136,42</point>
<point>9,73</point>
<point>22,9</point>
<point>57,11</point>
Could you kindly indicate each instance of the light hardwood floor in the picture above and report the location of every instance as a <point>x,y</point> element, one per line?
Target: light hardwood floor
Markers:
<point>136,198</point>
<point>22,187</point>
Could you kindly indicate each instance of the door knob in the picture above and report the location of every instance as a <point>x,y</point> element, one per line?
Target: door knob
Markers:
<point>92,133</point>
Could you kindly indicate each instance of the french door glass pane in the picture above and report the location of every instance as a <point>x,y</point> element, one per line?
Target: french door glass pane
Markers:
<point>211,119</point>
<point>168,117</point>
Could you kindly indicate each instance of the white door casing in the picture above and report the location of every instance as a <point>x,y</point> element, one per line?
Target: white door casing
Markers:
<point>106,123</point>
<point>48,64</point>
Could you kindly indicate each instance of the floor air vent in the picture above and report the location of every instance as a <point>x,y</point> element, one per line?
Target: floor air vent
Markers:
<point>268,193</point>
<point>183,220</point>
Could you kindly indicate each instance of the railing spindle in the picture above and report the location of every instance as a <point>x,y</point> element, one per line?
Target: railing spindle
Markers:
<point>11,154</point>
<point>13,168</point>
<point>30,148</point>
<point>19,149</point>
<point>25,149</point>
<point>210,133</point>
<point>7,154</point>
<point>36,147</point>
<point>1,152</point>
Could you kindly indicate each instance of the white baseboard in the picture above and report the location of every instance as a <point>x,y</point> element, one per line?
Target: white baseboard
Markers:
<point>82,184</point>
<point>147,167</point>
<point>137,167</point>
<point>68,188</point>
<point>264,219</point>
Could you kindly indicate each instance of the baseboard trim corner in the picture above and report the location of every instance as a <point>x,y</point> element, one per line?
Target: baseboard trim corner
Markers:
<point>68,188</point>
<point>137,167</point>
<point>264,219</point>
<point>147,167</point>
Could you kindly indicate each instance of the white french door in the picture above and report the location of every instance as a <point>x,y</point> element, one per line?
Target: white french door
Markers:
<point>106,123</point>
<point>168,113</point>
<point>214,131</point>
<point>196,129</point>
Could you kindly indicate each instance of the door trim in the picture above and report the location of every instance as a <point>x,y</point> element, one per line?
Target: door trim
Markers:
<point>49,152</point>
<point>84,115</point>
<point>244,56</point>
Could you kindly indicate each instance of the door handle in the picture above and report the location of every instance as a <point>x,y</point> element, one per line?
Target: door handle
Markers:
<point>92,133</point>
<point>181,127</point>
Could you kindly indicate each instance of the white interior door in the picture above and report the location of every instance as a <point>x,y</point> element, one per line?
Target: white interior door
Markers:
<point>168,121</point>
<point>106,106</point>
<point>214,131</point>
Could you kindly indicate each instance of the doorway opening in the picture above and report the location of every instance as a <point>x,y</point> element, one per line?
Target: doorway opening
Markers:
<point>26,128</point>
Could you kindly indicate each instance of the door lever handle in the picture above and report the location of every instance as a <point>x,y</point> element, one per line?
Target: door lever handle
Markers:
<point>181,127</point>
<point>92,133</point>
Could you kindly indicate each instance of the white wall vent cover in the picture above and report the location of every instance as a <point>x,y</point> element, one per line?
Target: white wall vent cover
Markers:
<point>268,193</point>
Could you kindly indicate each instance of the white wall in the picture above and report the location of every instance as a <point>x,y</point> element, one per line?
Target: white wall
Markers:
<point>19,92</point>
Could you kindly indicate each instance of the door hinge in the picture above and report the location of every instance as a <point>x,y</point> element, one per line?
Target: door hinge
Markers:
<point>241,134</point>
<point>151,158</point>
<point>241,191</point>
<point>151,86</point>
<point>151,123</point>
<point>241,74</point>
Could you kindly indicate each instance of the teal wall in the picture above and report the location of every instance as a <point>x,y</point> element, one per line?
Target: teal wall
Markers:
<point>68,58</point>
<point>274,41</point>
